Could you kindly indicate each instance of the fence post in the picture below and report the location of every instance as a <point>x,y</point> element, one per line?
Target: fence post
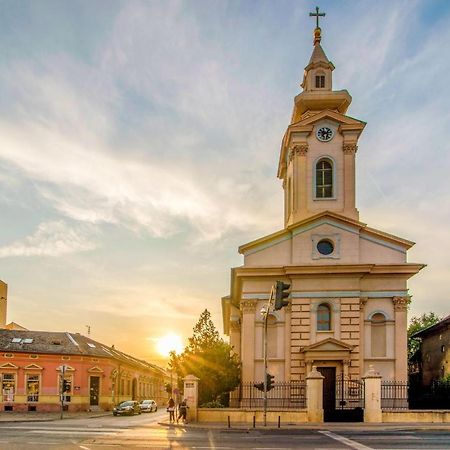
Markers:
<point>191,396</point>
<point>372,396</point>
<point>314,395</point>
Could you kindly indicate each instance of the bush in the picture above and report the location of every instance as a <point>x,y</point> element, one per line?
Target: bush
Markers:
<point>213,404</point>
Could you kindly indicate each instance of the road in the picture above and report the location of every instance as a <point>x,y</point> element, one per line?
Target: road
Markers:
<point>144,432</point>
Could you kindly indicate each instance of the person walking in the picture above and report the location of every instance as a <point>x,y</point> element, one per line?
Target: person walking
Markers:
<point>182,411</point>
<point>171,410</point>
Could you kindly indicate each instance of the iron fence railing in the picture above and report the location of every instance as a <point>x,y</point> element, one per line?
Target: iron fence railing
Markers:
<point>394,394</point>
<point>283,395</point>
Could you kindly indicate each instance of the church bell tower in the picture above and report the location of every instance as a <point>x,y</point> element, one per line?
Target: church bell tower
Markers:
<point>317,157</point>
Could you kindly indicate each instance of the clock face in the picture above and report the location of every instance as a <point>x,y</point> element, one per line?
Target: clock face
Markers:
<point>324,134</point>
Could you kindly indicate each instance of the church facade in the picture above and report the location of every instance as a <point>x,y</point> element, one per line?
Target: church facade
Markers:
<point>349,294</point>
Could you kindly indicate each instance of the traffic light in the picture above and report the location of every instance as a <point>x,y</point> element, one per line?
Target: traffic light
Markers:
<point>259,386</point>
<point>65,386</point>
<point>280,294</point>
<point>269,382</point>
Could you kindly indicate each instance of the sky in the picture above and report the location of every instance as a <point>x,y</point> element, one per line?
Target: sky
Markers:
<point>139,144</point>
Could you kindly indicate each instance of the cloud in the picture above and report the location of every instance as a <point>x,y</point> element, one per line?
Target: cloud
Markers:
<point>51,239</point>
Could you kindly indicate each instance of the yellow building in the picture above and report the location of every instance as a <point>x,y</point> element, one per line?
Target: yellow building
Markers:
<point>349,294</point>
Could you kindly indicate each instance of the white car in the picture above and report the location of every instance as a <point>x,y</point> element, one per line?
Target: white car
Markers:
<point>149,406</point>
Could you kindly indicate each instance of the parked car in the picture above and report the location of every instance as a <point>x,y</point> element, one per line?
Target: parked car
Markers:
<point>149,406</point>
<point>130,408</point>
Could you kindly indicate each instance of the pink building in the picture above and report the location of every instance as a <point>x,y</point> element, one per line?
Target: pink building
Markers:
<point>97,376</point>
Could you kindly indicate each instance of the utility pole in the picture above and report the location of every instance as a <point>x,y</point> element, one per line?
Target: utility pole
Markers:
<point>61,389</point>
<point>277,295</point>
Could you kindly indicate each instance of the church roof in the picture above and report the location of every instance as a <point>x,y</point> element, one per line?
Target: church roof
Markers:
<point>406,244</point>
<point>318,55</point>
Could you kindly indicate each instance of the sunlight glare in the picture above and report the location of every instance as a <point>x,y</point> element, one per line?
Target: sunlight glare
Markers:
<point>168,343</point>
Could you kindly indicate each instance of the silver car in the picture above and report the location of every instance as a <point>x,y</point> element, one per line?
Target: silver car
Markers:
<point>149,406</point>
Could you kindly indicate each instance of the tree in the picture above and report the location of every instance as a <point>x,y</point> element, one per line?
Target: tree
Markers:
<point>209,358</point>
<point>417,324</point>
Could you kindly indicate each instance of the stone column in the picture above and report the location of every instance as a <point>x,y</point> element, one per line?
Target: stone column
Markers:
<point>248,308</point>
<point>401,338</point>
<point>287,342</point>
<point>314,395</point>
<point>349,178</point>
<point>190,393</point>
<point>372,396</point>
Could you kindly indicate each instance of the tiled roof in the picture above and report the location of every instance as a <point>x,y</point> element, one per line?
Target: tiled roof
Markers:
<point>64,343</point>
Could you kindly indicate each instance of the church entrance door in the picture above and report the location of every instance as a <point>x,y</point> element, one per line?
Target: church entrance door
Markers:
<point>329,392</point>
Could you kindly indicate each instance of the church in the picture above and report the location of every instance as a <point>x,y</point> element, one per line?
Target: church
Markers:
<point>349,297</point>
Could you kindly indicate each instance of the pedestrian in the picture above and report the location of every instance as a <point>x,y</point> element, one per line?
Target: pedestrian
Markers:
<point>182,411</point>
<point>171,410</point>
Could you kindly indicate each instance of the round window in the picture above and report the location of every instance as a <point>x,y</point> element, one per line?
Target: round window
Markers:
<point>325,247</point>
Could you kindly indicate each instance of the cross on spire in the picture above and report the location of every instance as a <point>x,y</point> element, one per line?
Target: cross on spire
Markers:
<point>317,14</point>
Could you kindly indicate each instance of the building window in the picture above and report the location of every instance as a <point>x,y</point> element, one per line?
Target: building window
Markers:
<point>32,388</point>
<point>325,247</point>
<point>378,335</point>
<point>323,317</point>
<point>8,387</point>
<point>320,81</point>
<point>324,179</point>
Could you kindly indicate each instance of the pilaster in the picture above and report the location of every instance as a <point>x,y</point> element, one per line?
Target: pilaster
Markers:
<point>401,338</point>
<point>349,179</point>
<point>248,308</point>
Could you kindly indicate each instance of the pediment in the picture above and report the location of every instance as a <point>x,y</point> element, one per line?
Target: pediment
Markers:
<point>68,368</point>
<point>9,365</point>
<point>327,345</point>
<point>330,218</point>
<point>33,367</point>
<point>95,369</point>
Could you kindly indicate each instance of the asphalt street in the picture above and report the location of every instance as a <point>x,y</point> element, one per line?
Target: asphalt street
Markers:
<point>144,432</point>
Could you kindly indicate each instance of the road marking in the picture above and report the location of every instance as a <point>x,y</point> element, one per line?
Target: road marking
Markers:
<point>84,448</point>
<point>346,441</point>
<point>81,432</point>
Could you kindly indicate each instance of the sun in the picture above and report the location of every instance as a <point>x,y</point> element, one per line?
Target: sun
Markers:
<point>168,343</point>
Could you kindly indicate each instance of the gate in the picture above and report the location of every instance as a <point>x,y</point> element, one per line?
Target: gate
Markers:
<point>349,401</point>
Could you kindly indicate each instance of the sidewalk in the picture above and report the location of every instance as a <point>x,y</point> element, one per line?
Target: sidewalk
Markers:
<point>48,417</point>
<point>336,426</point>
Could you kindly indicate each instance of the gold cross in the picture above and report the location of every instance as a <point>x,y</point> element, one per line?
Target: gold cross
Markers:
<point>317,14</point>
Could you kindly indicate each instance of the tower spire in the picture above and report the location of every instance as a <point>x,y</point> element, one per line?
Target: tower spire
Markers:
<point>317,30</point>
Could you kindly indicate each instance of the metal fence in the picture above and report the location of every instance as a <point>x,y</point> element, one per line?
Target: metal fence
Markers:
<point>284,395</point>
<point>394,394</point>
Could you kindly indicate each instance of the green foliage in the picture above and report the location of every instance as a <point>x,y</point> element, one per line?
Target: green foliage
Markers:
<point>417,324</point>
<point>213,404</point>
<point>209,358</point>
<point>168,388</point>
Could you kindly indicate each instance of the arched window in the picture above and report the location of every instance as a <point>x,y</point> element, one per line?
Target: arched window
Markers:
<point>323,317</point>
<point>324,179</point>
<point>378,335</point>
